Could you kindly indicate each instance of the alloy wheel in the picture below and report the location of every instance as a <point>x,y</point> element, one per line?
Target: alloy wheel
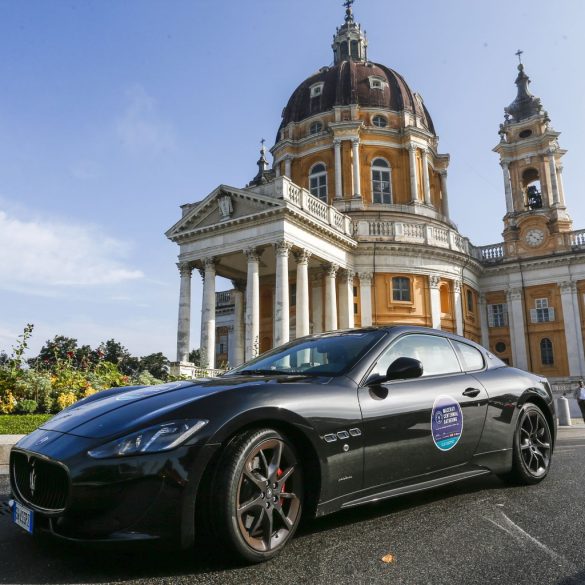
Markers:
<point>535,443</point>
<point>268,501</point>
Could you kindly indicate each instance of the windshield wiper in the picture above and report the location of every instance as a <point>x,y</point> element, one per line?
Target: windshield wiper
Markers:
<point>264,372</point>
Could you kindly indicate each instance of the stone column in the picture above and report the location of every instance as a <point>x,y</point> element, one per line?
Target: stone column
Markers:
<point>288,166</point>
<point>553,177</point>
<point>572,321</point>
<point>184,324</point>
<point>338,179</point>
<point>281,305</point>
<point>330,298</point>
<point>483,321</point>
<point>458,308</point>
<point>507,187</point>
<point>426,180</point>
<point>317,301</point>
<point>561,185</point>
<point>366,297</point>
<point>357,189</point>
<point>303,325</point>
<point>208,314</point>
<point>253,304</point>
<point>239,326</point>
<point>346,316</point>
<point>413,173</point>
<point>445,193</point>
<point>517,327</point>
<point>434,282</point>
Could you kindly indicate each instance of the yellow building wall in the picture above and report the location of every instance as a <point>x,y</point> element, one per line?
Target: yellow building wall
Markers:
<point>555,331</point>
<point>499,335</point>
<point>471,318</point>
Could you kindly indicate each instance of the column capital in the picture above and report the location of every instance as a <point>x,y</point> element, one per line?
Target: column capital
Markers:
<point>316,277</point>
<point>209,263</point>
<point>185,269</point>
<point>366,278</point>
<point>434,281</point>
<point>282,248</point>
<point>568,287</point>
<point>253,254</point>
<point>443,173</point>
<point>302,256</point>
<point>355,141</point>
<point>331,269</point>
<point>514,294</point>
<point>482,299</point>
<point>504,164</point>
<point>346,275</point>
<point>457,286</point>
<point>337,141</point>
<point>412,147</point>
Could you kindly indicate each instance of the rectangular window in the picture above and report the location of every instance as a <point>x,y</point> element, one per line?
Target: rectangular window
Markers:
<point>469,301</point>
<point>355,291</point>
<point>221,346</point>
<point>542,313</point>
<point>355,308</point>
<point>401,289</point>
<point>319,186</point>
<point>293,295</point>
<point>498,315</point>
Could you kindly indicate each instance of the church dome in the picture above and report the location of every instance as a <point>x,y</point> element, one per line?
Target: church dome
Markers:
<point>354,82</point>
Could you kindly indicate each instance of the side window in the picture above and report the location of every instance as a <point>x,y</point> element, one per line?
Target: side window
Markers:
<point>472,358</point>
<point>435,353</point>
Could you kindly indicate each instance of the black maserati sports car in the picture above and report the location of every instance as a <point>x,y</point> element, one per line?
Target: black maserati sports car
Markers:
<point>325,422</point>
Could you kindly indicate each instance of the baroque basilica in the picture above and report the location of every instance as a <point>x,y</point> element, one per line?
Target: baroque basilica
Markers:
<point>350,227</point>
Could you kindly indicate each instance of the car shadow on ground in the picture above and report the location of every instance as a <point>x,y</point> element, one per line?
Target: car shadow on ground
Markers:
<point>63,563</point>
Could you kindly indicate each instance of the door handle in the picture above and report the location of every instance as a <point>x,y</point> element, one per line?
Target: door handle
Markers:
<point>472,392</point>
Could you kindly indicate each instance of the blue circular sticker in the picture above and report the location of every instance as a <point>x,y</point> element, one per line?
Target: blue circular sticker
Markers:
<point>446,422</point>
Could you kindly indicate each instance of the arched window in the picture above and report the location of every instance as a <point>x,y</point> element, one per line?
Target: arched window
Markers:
<point>381,184</point>
<point>318,181</point>
<point>546,352</point>
<point>315,128</point>
<point>532,188</point>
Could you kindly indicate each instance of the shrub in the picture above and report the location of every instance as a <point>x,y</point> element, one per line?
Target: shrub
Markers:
<point>65,399</point>
<point>26,406</point>
<point>7,402</point>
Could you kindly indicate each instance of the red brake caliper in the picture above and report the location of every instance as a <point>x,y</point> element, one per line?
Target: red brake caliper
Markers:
<point>279,474</point>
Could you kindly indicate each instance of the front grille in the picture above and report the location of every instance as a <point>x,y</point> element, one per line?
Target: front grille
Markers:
<point>39,482</point>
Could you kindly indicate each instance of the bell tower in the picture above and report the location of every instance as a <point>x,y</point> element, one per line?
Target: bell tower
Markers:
<point>530,156</point>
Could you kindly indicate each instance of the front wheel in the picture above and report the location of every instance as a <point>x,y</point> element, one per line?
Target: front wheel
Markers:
<point>258,494</point>
<point>532,446</point>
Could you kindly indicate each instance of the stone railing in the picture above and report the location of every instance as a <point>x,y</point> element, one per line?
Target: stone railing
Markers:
<point>416,233</point>
<point>489,254</point>
<point>577,239</point>
<point>312,206</point>
<point>224,298</point>
<point>206,372</point>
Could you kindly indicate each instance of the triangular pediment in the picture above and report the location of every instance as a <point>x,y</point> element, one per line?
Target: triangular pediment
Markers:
<point>223,205</point>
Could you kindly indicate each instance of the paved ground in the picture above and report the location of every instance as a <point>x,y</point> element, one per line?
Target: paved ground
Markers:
<point>476,532</point>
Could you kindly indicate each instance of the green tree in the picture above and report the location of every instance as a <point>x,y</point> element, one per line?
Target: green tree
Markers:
<point>195,356</point>
<point>114,352</point>
<point>58,348</point>
<point>157,364</point>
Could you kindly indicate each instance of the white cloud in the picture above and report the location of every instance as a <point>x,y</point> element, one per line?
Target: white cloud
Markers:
<point>56,254</point>
<point>140,128</point>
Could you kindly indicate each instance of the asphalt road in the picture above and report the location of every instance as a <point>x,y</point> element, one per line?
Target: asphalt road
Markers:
<point>479,531</point>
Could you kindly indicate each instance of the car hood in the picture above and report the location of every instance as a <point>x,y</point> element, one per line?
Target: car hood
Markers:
<point>112,412</point>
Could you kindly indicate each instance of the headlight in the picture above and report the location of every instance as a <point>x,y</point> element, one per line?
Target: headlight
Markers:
<point>161,437</point>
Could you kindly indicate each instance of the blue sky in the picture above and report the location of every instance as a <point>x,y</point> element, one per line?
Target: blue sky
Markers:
<point>113,113</point>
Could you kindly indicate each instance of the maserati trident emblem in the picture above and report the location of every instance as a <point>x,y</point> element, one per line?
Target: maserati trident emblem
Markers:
<point>33,479</point>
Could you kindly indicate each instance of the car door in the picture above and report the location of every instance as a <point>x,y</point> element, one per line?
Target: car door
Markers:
<point>420,426</point>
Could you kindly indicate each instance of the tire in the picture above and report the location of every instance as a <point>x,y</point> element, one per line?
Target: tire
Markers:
<point>532,447</point>
<point>258,495</point>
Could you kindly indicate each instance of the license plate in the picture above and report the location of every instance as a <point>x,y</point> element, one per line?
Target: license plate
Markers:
<point>23,517</point>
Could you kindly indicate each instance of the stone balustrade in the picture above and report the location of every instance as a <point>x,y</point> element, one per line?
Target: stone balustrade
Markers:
<point>312,206</point>
<point>489,254</point>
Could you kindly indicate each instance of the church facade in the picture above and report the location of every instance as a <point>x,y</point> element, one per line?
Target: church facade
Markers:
<point>350,227</point>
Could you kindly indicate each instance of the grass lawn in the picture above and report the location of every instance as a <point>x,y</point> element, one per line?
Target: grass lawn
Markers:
<point>21,424</point>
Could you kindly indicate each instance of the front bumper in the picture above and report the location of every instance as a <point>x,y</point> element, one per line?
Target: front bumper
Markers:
<point>147,497</point>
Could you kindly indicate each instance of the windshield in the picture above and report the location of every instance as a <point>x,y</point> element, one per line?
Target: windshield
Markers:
<point>329,354</point>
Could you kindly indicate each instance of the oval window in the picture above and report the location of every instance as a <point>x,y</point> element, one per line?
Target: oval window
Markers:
<point>380,121</point>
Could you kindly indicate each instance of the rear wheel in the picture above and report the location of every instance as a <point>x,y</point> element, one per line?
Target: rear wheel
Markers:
<point>258,494</point>
<point>532,446</point>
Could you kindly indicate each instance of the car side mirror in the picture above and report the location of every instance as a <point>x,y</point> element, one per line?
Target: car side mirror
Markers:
<point>404,368</point>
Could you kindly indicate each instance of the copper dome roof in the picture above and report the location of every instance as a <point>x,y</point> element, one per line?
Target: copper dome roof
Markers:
<point>348,83</point>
